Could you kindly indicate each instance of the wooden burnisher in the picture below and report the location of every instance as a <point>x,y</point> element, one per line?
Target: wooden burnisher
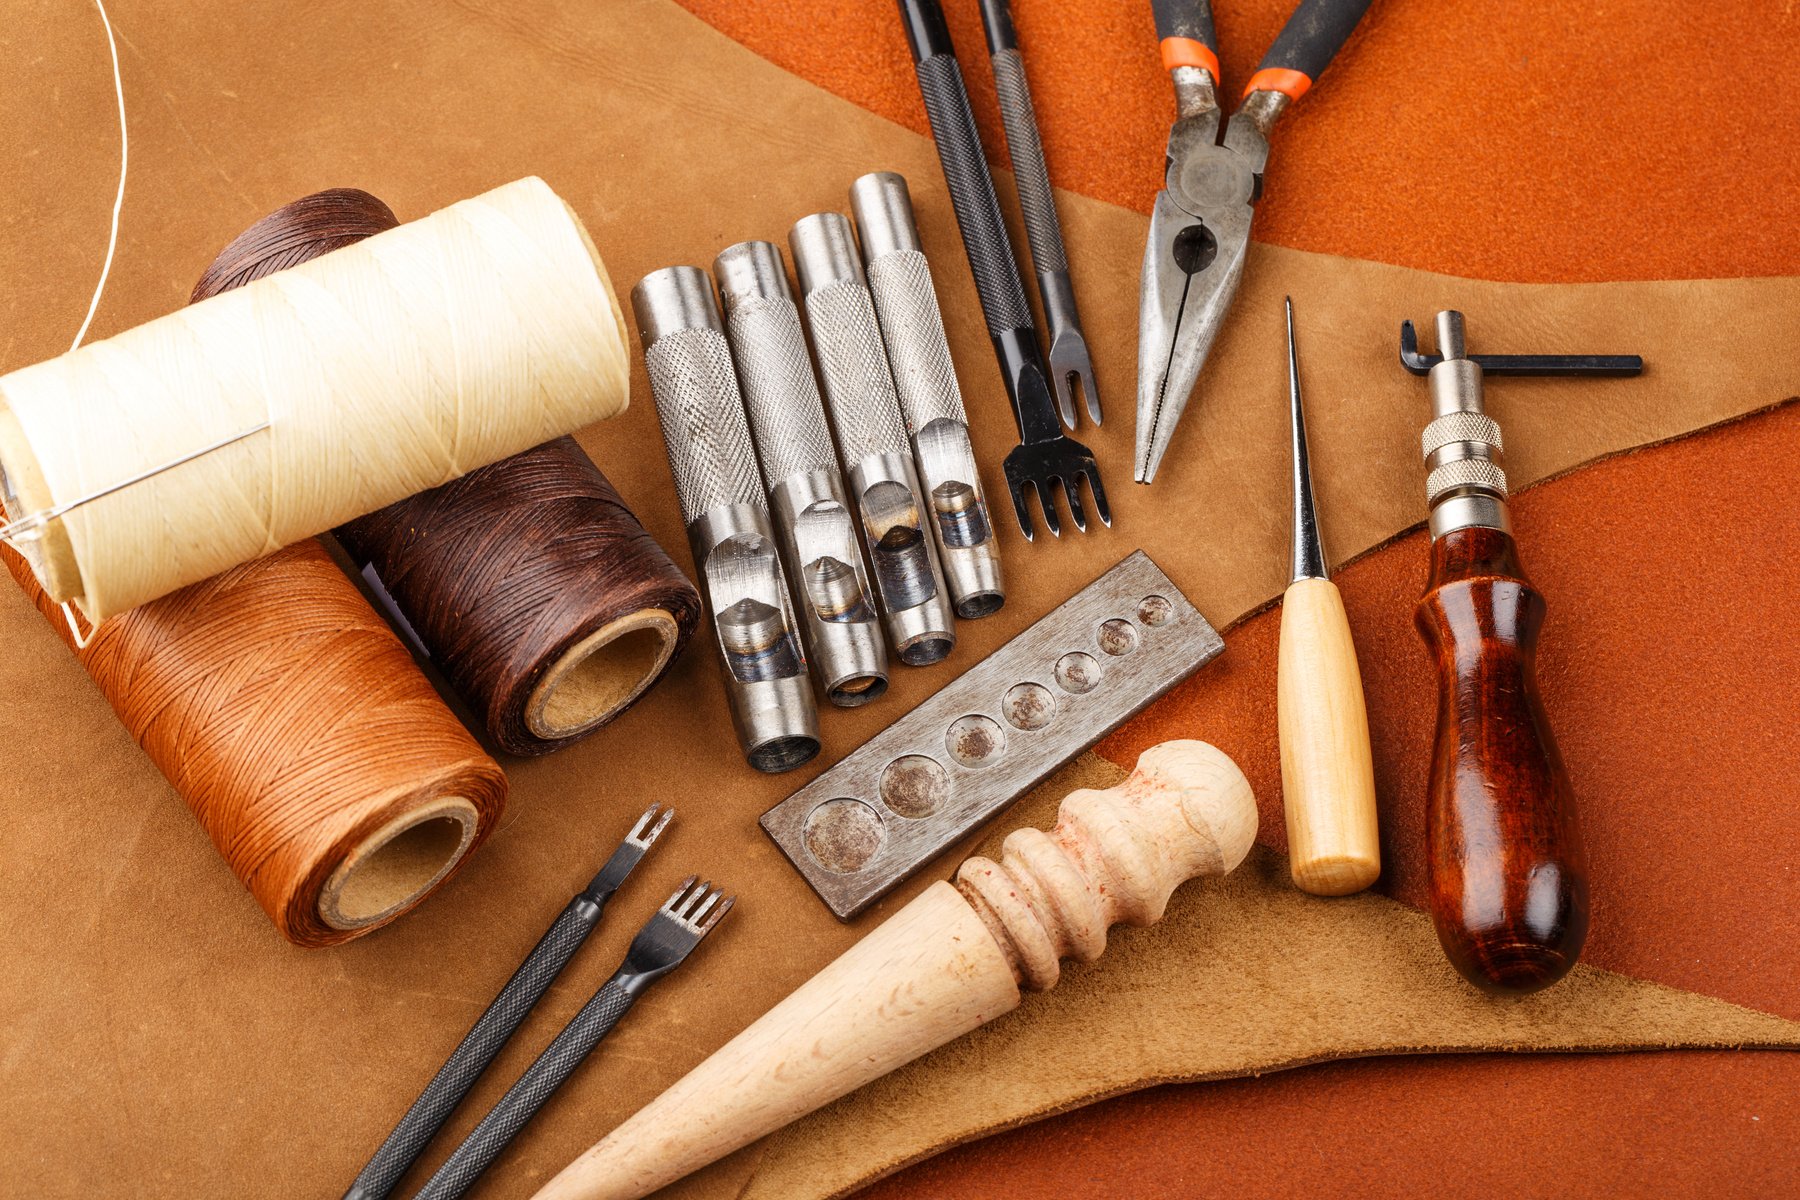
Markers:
<point>953,959</point>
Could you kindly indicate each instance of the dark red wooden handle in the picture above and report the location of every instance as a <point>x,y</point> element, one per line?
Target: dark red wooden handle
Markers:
<point>1508,877</point>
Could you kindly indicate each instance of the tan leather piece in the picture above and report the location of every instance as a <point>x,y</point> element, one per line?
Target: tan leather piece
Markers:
<point>1240,978</point>
<point>1663,668</point>
<point>155,1030</point>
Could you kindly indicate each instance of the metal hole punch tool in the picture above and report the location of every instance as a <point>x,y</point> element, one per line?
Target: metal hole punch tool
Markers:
<point>930,398</point>
<point>707,436</point>
<point>1046,460</point>
<point>813,521</point>
<point>1200,225</point>
<point>663,944</point>
<point>1070,367</point>
<point>885,493</point>
<point>501,1020</point>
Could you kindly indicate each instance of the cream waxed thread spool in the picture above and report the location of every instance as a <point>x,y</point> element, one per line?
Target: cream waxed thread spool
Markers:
<point>385,368</point>
<point>528,582</point>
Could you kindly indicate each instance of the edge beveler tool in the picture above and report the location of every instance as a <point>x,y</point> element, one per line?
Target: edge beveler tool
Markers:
<point>930,399</point>
<point>813,521</point>
<point>704,430</point>
<point>1200,225</point>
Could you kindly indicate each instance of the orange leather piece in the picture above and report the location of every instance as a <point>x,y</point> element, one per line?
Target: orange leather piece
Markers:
<point>1542,142</point>
<point>1687,1125</point>
<point>1667,665</point>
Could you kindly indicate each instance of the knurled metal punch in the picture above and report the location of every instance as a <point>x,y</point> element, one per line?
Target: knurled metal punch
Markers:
<point>1200,225</point>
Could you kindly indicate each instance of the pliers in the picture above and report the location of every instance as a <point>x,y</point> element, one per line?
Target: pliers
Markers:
<point>1200,225</point>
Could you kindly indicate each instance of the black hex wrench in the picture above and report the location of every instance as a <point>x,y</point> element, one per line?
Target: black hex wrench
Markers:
<point>504,1016</point>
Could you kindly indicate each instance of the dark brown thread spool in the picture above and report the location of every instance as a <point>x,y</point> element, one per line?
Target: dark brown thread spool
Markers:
<point>295,725</point>
<point>529,582</point>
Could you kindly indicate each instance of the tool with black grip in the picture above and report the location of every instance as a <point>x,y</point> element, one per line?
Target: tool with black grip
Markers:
<point>1200,225</point>
<point>1509,890</point>
<point>662,945</point>
<point>1069,363</point>
<point>1046,459</point>
<point>504,1016</point>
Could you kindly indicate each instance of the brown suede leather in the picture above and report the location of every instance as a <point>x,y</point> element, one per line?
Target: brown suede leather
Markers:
<point>158,1039</point>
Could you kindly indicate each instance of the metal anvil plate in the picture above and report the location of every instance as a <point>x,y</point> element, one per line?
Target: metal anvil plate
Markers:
<point>1004,726</point>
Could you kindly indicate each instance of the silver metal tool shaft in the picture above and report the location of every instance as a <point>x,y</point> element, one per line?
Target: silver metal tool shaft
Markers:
<point>925,378</point>
<point>871,434</point>
<point>708,440</point>
<point>1309,552</point>
<point>1466,487</point>
<point>813,523</point>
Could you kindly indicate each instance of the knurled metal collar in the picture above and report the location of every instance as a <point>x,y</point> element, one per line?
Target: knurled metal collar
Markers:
<point>1455,427</point>
<point>1462,473</point>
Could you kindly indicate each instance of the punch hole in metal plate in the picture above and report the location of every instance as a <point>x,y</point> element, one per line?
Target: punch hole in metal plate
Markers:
<point>877,817</point>
<point>1117,637</point>
<point>914,785</point>
<point>1028,706</point>
<point>843,834</point>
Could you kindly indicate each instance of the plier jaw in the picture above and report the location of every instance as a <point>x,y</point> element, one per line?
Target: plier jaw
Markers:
<point>1200,225</point>
<point>1193,260</point>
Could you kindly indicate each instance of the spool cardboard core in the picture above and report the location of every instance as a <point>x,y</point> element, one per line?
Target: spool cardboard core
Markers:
<point>602,673</point>
<point>398,863</point>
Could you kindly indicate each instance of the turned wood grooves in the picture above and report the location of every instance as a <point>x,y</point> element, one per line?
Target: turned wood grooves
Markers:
<point>1114,857</point>
<point>950,961</point>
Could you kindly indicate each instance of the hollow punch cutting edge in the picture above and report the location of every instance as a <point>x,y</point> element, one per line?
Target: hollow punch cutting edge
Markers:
<point>1327,772</point>
<point>1200,223</point>
<point>930,398</point>
<point>1070,367</point>
<point>503,1017</point>
<point>813,521</point>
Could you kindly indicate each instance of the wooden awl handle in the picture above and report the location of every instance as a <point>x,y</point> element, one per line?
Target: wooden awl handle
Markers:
<point>1327,776</point>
